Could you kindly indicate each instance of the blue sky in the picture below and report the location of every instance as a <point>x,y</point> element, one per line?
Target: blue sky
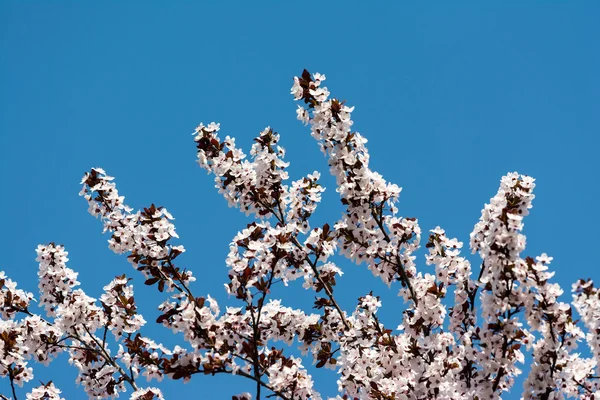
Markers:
<point>451,97</point>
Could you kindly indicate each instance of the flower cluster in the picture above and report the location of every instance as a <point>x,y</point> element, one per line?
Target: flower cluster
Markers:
<point>45,392</point>
<point>119,307</point>
<point>145,235</point>
<point>147,394</point>
<point>369,232</point>
<point>556,370</point>
<point>77,317</point>
<point>12,300</point>
<point>253,186</point>
<point>73,320</point>
<point>304,195</point>
<point>587,302</point>
<point>498,239</point>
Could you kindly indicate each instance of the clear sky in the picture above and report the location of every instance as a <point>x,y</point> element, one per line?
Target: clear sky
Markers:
<point>451,97</point>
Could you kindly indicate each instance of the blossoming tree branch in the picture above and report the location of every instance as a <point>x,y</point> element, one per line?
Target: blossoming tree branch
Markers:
<point>501,308</point>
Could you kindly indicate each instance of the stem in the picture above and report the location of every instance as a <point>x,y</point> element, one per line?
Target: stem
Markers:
<point>401,270</point>
<point>104,335</point>
<point>109,359</point>
<point>474,292</point>
<point>313,266</point>
<point>255,355</point>
<point>256,323</point>
<point>12,382</point>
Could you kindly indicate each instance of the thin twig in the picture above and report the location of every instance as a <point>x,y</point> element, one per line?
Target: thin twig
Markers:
<point>12,382</point>
<point>403,275</point>
<point>109,359</point>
